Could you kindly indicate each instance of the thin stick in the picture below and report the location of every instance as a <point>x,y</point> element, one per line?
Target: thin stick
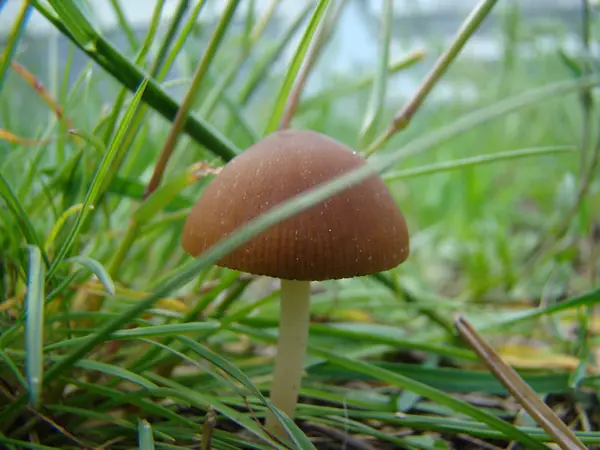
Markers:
<point>521,391</point>
<point>403,118</point>
<point>190,97</point>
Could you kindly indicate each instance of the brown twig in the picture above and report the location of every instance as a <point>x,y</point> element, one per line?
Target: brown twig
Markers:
<point>519,389</point>
<point>402,119</point>
<point>7,136</point>
<point>42,91</point>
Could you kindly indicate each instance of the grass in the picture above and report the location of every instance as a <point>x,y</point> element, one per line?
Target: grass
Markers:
<point>112,337</point>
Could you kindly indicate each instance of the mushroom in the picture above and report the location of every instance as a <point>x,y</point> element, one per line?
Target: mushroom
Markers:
<point>356,232</point>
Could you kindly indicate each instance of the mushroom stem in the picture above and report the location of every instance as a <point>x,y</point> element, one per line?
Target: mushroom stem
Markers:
<point>294,318</point>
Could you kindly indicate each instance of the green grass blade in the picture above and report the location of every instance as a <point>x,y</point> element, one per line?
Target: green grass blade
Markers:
<point>34,326</point>
<point>587,299</point>
<point>97,269</point>
<point>145,438</point>
<point>154,331</point>
<point>295,65</point>
<point>13,369</point>
<point>331,94</point>
<point>475,161</point>
<point>115,371</point>
<point>124,25</point>
<point>260,70</point>
<point>15,206</point>
<point>59,224</point>
<point>161,197</point>
<point>76,22</point>
<point>169,36</point>
<point>94,189</point>
<point>377,101</point>
<point>162,68</point>
<point>10,47</point>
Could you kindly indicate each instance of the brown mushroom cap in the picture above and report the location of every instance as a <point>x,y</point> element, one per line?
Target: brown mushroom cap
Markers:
<point>356,232</point>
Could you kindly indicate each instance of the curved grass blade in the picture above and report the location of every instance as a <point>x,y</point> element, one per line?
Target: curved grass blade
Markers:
<point>587,299</point>
<point>295,65</point>
<point>152,331</point>
<point>59,224</point>
<point>34,326</point>
<point>8,363</point>
<point>94,190</point>
<point>322,36</point>
<point>448,379</point>
<point>307,200</point>
<point>97,269</point>
<point>112,370</point>
<point>145,438</point>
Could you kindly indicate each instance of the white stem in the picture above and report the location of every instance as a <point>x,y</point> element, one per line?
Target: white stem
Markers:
<point>294,318</point>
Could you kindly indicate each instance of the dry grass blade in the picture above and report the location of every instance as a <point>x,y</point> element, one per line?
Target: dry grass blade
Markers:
<point>404,116</point>
<point>7,136</point>
<point>41,90</point>
<point>521,391</point>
